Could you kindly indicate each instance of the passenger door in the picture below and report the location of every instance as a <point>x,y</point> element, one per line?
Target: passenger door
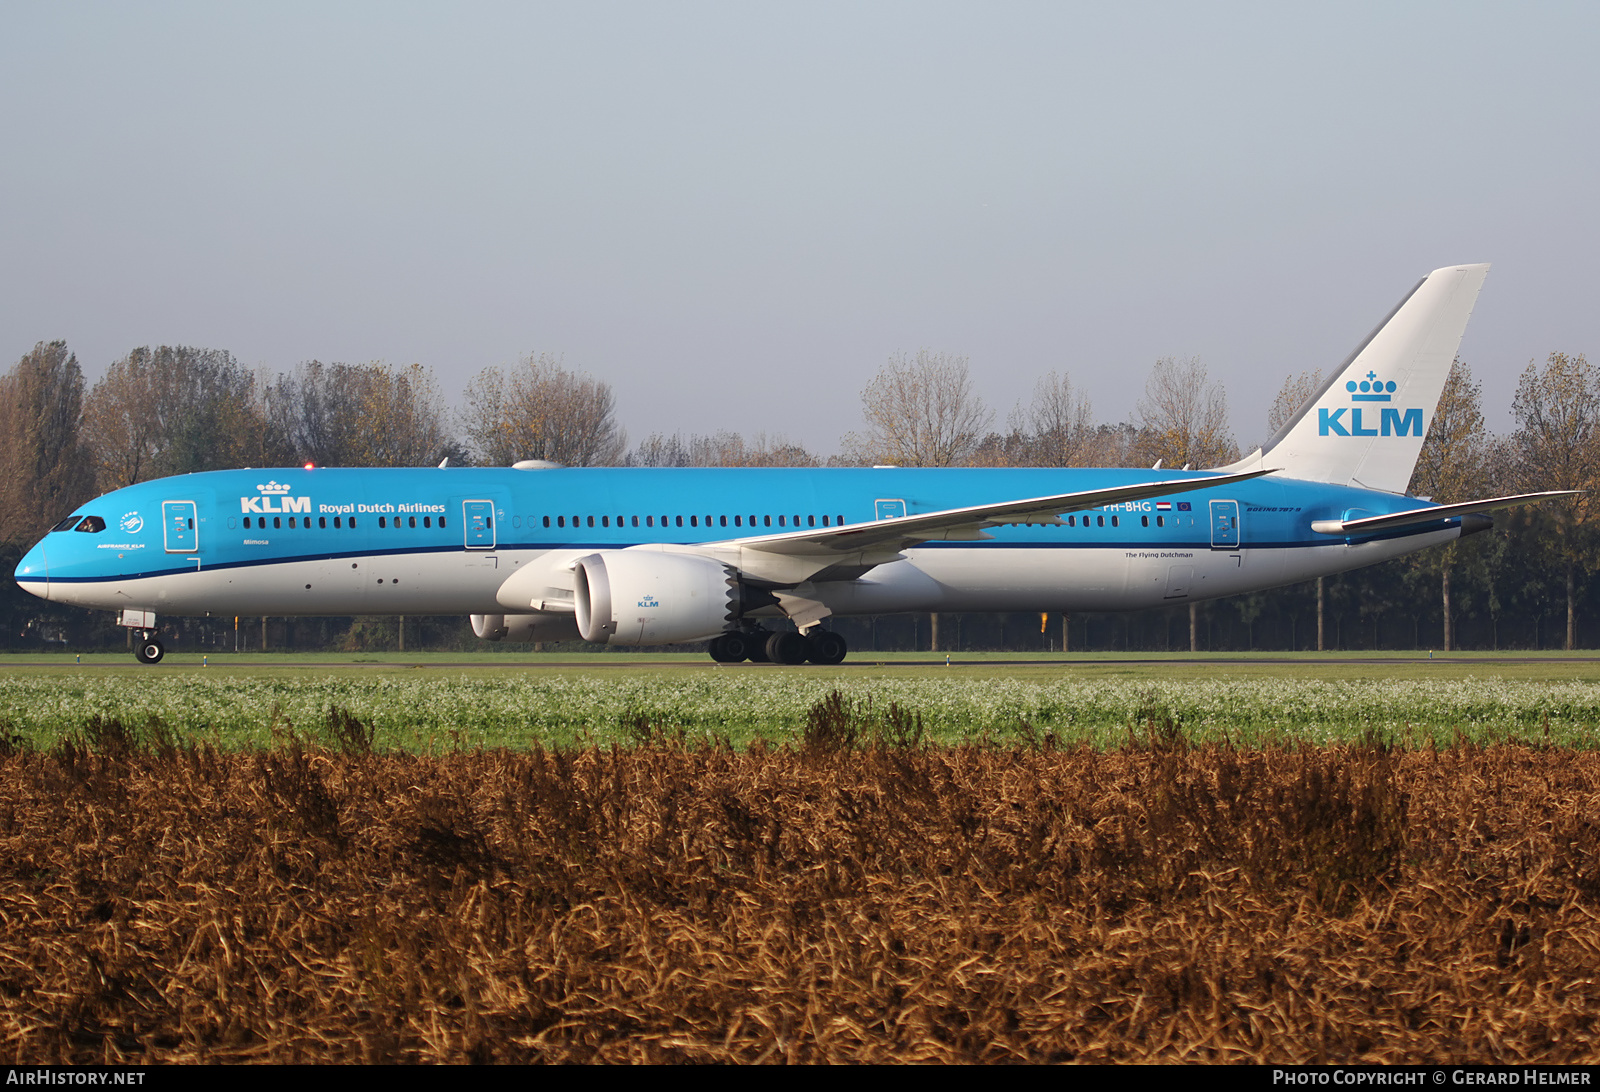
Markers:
<point>1224,525</point>
<point>179,527</point>
<point>477,516</point>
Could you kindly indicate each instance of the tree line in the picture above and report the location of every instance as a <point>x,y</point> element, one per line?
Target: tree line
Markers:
<point>167,410</point>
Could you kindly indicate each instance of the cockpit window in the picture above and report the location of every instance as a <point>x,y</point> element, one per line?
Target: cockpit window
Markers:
<point>92,525</point>
<point>66,524</point>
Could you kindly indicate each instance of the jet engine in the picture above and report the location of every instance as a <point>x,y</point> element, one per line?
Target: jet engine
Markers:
<point>524,627</point>
<point>646,597</point>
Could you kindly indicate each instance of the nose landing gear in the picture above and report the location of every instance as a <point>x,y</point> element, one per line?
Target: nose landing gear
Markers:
<point>148,649</point>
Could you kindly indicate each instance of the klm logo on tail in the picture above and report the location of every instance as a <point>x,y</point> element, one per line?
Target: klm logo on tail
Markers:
<point>1391,422</point>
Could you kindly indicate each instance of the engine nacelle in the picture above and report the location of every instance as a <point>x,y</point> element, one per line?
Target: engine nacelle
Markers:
<point>646,597</point>
<point>524,627</point>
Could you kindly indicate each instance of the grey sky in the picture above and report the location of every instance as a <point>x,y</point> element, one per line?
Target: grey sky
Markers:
<point>736,213</point>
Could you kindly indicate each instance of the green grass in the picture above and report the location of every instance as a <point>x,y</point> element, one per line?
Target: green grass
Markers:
<point>251,700</point>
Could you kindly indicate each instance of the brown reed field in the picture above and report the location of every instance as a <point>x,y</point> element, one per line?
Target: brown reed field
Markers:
<point>857,896</point>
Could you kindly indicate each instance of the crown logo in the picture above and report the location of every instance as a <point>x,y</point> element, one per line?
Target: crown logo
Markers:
<point>1370,389</point>
<point>273,489</point>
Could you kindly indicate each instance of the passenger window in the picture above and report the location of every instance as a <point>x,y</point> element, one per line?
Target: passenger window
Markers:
<point>824,521</point>
<point>277,521</point>
<point>680,521</point>
<point>811,521</point>
<point>1099,521</point>
<point>694,521</point>
<point>1113,521</point>
<point>766,521</point>
<point>322,522</point>
<point>724,521</point>
<point>736,521</point>
<point>381,523</point>
<point>605,521</point>
<point>413,520</point>
<point>547,521</point>
<point>1144,521</point>
<point>636,521</point>
<point>352,523</point>
<point>780,521</point>
<point>427,521</point>
<point>336,522</point>
<point>1161,521</point>
<point>591,521</point>
<point>649,521</point>
<point>561,521</point>
<point>441,524</point>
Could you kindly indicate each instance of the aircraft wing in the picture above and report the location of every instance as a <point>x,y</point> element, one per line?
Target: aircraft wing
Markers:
<point>1413,516</point>
<point>966,524</point>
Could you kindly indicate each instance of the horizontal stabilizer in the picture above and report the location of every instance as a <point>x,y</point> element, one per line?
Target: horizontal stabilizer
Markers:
<point>1432,514</point>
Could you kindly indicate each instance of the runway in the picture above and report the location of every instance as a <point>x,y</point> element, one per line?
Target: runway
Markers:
<point>631,663</point>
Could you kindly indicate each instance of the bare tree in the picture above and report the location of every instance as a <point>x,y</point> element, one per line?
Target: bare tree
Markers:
<point>1450,467</point>
<point>171,410</point>
<point>540,410</point>
<point>43,470</point>
<point>1062,424</point>
<point>721,449</point>
<point>920,411</point>
<point>1056,429</point>
<point>1295,393</point>
<point>361,414</point>
<point>1183,418</point>
<point>1558,443</point>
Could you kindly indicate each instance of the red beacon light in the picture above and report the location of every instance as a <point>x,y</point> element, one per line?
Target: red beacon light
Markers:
<point>311,466</point>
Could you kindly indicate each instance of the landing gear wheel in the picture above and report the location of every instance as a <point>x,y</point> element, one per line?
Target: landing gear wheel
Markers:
<point>787,648</point>
<point>148,650</point>
<point>756,646</point>
<point>827,648</point>
<point>730,648</point>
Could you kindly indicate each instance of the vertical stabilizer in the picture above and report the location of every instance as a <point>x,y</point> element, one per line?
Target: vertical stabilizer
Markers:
<point>1365,427</point>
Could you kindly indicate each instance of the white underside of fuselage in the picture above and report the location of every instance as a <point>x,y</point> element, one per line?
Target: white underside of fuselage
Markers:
<point>949,578</point>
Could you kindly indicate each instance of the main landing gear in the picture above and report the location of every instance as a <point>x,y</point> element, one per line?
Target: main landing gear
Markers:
<point>148,649</point>
<point>761,646</point>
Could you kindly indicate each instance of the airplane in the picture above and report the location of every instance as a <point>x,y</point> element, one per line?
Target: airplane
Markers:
<point>657,556</point>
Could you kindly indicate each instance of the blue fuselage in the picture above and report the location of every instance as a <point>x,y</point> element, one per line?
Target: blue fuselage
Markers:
<point>333,541</point>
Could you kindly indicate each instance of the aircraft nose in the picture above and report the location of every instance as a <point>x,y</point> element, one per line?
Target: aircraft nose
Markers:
<point>33,572</point>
